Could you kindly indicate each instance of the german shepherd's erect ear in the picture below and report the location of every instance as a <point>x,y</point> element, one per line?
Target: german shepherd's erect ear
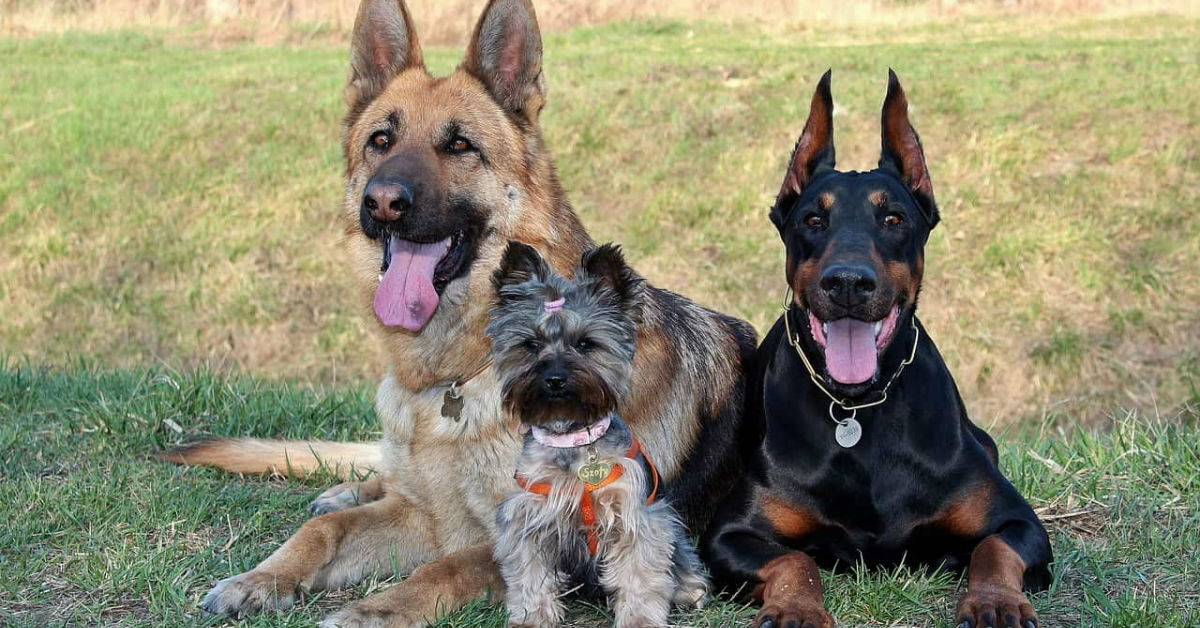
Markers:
<point>384,44</point>
<point>520,263</point>
<point>505,54</point>
<point>813,152</point>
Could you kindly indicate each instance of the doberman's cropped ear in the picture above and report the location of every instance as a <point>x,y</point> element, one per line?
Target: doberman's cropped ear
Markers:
<point>384,44</point>
<point>506,55</point>
<point>902,153</point>
<point>607,263</point>
<point>813,152</point>
<point>520,263</point>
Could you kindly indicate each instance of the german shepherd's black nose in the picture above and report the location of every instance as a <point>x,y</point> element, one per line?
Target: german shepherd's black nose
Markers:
<point>385,199</point>
<point>848,285</point>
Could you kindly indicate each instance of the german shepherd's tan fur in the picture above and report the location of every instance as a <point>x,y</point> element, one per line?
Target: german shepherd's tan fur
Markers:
<point>431,510</point>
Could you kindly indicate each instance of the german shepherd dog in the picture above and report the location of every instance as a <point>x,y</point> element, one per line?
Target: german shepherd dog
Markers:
<point>441,173</point>
<point>868,454</point>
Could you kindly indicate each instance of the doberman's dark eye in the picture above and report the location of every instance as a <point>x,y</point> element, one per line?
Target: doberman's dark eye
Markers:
<point>583,345</point>
<point>814,221</point>
<point>380,140</point>
<point>893,219</point>
<point>458,145</point>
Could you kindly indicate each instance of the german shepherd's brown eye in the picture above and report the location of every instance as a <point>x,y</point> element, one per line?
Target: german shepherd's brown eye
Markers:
<point>893,219</point>
<point>814,221</point>
<point>381,140</point>
<point>458,145</point>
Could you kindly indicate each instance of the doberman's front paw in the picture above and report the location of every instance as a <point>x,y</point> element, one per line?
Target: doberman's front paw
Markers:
<point>995,607</point>
<point>794,615</point>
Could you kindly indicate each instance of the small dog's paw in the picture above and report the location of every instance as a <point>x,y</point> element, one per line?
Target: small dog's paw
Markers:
<point>695,596</point>
<point>995,607</point>
<point>335,498</point>
<point>544,616</point>
<point>246,593</point>
<point>359,615</point>
<point>641,615</point>
<point>794,615</point>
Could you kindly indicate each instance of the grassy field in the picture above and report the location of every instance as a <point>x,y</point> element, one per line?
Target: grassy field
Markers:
<point>168,210</point>
<point>168,201</point>
<point>97,533</point>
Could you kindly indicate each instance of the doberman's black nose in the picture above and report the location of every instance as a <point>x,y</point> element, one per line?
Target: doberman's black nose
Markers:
<point>386,199</point>
<point>848,285</point>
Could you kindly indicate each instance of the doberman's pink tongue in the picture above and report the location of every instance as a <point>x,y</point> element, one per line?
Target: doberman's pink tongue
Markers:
<point>406,297</point>
<point>850,353</point>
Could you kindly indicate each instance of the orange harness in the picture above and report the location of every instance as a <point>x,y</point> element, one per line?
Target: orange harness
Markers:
<point>587,507</point>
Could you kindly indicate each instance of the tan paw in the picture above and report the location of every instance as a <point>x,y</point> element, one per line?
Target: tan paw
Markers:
<point>793,615</point>
<point>995,607</point>
<point>360,615</point>
<point>250,592</point>
<point>339,497</point>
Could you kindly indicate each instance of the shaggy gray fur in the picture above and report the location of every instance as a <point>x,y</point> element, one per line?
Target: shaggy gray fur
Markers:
<point>644,562</point>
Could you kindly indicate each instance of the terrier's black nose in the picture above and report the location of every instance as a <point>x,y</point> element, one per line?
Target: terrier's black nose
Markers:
<point>848,285</point>
<point>555,382</point>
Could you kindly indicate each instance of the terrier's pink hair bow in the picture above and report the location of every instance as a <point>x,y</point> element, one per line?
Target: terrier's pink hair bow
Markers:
<point>555,306</point>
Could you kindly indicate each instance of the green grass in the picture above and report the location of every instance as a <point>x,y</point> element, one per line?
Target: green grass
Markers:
<point>173,203</point>
<point>170,200</point>
<point>98,533</point>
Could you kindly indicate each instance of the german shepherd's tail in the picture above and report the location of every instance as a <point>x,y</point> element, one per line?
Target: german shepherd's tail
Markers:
<point>292,458</point>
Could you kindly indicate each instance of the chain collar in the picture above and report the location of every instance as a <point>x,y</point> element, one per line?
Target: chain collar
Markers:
<point>812,373</point>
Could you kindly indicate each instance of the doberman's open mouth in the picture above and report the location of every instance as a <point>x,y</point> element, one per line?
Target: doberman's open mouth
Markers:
<point>852,347</point>
<point>414,274</point>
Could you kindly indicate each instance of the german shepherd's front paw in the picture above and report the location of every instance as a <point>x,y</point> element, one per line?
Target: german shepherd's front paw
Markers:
<point>794,615</point>
<point>247,593</point>
<point>360,615</point>
<point>995,607</point>
<point>347,495</point>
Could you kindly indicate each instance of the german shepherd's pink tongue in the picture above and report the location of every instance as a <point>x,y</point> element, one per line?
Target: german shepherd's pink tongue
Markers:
<point>850,353</point>
<point>406,297</point>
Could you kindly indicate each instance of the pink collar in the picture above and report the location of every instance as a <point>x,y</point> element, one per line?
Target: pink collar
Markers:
<point>578,438</point>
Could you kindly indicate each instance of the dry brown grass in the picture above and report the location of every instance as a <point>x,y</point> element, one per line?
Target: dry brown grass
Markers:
<point>446,22</point>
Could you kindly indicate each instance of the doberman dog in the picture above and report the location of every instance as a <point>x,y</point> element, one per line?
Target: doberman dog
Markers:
<point>864,450</point>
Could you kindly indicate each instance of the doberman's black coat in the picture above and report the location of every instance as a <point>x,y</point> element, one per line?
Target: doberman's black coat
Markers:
<point>922,484</point>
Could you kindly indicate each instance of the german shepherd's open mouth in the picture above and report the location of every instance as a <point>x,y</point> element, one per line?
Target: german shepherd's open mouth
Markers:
<point>414,274</point>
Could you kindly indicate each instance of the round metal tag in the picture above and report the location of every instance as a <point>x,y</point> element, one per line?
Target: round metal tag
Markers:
<point>847,433</point>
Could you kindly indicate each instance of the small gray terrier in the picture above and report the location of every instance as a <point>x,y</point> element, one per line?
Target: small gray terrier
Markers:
<point>583,513</point>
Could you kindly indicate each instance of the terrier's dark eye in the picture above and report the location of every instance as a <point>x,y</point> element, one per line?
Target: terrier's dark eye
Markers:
<point>380,141</point>
<point>583,345</point>
<point>892,219</point>
<point>458,145</point>
<point>814,221</point>
<point>532,344</point>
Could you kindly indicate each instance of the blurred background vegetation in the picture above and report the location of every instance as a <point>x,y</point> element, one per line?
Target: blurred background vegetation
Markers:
<point>170,190</point>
